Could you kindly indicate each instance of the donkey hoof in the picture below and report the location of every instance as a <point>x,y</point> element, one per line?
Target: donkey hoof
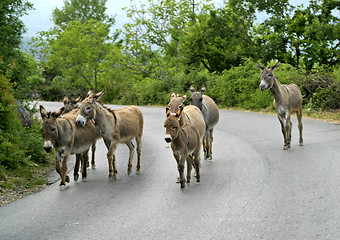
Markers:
<point>62,187</point>
<point>129,171</point>
<point>84,179</point>
<point>301,143</point>
<point>138,172</point>
<point>93,166</point>
<point>76,177</point>
<point>67,179</point>
<point>112,178</point>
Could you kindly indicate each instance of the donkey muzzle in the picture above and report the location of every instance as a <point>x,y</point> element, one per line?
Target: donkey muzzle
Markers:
<point>168,138</point>
<point>48,146</point>
<point>81,121</point>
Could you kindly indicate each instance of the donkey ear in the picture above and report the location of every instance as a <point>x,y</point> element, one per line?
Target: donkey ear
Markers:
<point>259,66</point>
<point>43,112</point>
<point>89,93</point>
<point>179,112</point>
<point>57,114</point>
<point>66,101</point>
<point>98,95</point>
<point>192,89</point>
<point>276,65</point>
<point>173,96</point>
<point>203,90</point>
<point>167,112</point>
<point>78,99</point>
<point>184,97</point>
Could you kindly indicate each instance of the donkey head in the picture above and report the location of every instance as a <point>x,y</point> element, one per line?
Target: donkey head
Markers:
<point>49,127</point>
<point>171,124</point>
<point>88,108</point>
<point>70,104</point>
<point>196,98</point>
<point>267,76</point>
<point>176,102</point>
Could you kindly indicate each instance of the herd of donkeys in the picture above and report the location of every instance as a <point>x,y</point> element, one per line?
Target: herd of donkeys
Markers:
<point>75,128</point>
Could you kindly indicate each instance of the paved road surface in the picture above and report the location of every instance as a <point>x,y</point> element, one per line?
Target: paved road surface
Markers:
<point>252,189</point>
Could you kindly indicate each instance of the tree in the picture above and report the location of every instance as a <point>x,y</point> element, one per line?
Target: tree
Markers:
<point>83,11</point>
<point>221,39</point>
<point>300,35</point>
<point>12,29</point>
<point>79,51</point>
<point>154,38</point>
<point>77,45</point>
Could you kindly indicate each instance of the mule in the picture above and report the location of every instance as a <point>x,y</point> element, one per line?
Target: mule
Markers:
<point>117,126</point>
<point>185,144</point>
<point>69,105</point>
<point>189,115</point>
<point>287,100</point>
<point>211,116</point>
<point>67,138</point>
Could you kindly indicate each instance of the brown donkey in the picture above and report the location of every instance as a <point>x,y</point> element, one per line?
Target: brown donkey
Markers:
<point>69,105</point>
<point>287,100</point>
<point>185,145</point>
<point>211,116</point>
<point>67,138</point>
<point>117,126</point>
<point>190,114</point>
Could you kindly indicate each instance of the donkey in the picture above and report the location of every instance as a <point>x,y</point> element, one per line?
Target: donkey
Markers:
<point>185,144</point>
<point>211,116</point>
<point>190,114</point>
<point>67,138</point>
<point>287,100</point>
<point>69,105</point>
<point>117,126</point>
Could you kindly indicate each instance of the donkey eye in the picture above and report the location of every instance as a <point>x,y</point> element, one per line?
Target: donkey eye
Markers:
<point>174,128</point>
<point>201,99</point>
<point>87,109</point>
<point>53,129</point>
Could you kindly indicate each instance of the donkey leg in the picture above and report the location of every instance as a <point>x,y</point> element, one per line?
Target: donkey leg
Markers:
<point>283,130</point>
<point>288,131</point>
<point>76,167</point>
<point>93,150</point>
<point>112,161</point>
<point>299,117</point>
<point>131,150</point>
<point>57,162</point>
<point>85,160</point>
<point>63,171</point>
<point>180,167</point>
<point>210,142</point>
<point>197,159</point>
<point>204,147</point>
<point>189,168</point>
<point>139,152</point>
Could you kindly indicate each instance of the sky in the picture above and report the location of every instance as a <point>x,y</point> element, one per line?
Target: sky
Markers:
<point>39,19</point>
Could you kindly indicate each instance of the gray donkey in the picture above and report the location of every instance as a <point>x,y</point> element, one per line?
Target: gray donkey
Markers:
<point>287,100</point>
<point>211,116</point>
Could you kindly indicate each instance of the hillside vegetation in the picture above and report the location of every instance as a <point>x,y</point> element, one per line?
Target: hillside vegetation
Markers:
<point>166,47</point>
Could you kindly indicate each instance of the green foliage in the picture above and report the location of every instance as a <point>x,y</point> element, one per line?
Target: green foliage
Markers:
<point>19,146</point>
<point>83,11</point>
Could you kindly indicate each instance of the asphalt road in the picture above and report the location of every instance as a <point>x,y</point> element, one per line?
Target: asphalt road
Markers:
<point>252,189</point>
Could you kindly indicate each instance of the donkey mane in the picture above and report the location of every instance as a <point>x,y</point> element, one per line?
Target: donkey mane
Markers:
<point>105,108</point>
